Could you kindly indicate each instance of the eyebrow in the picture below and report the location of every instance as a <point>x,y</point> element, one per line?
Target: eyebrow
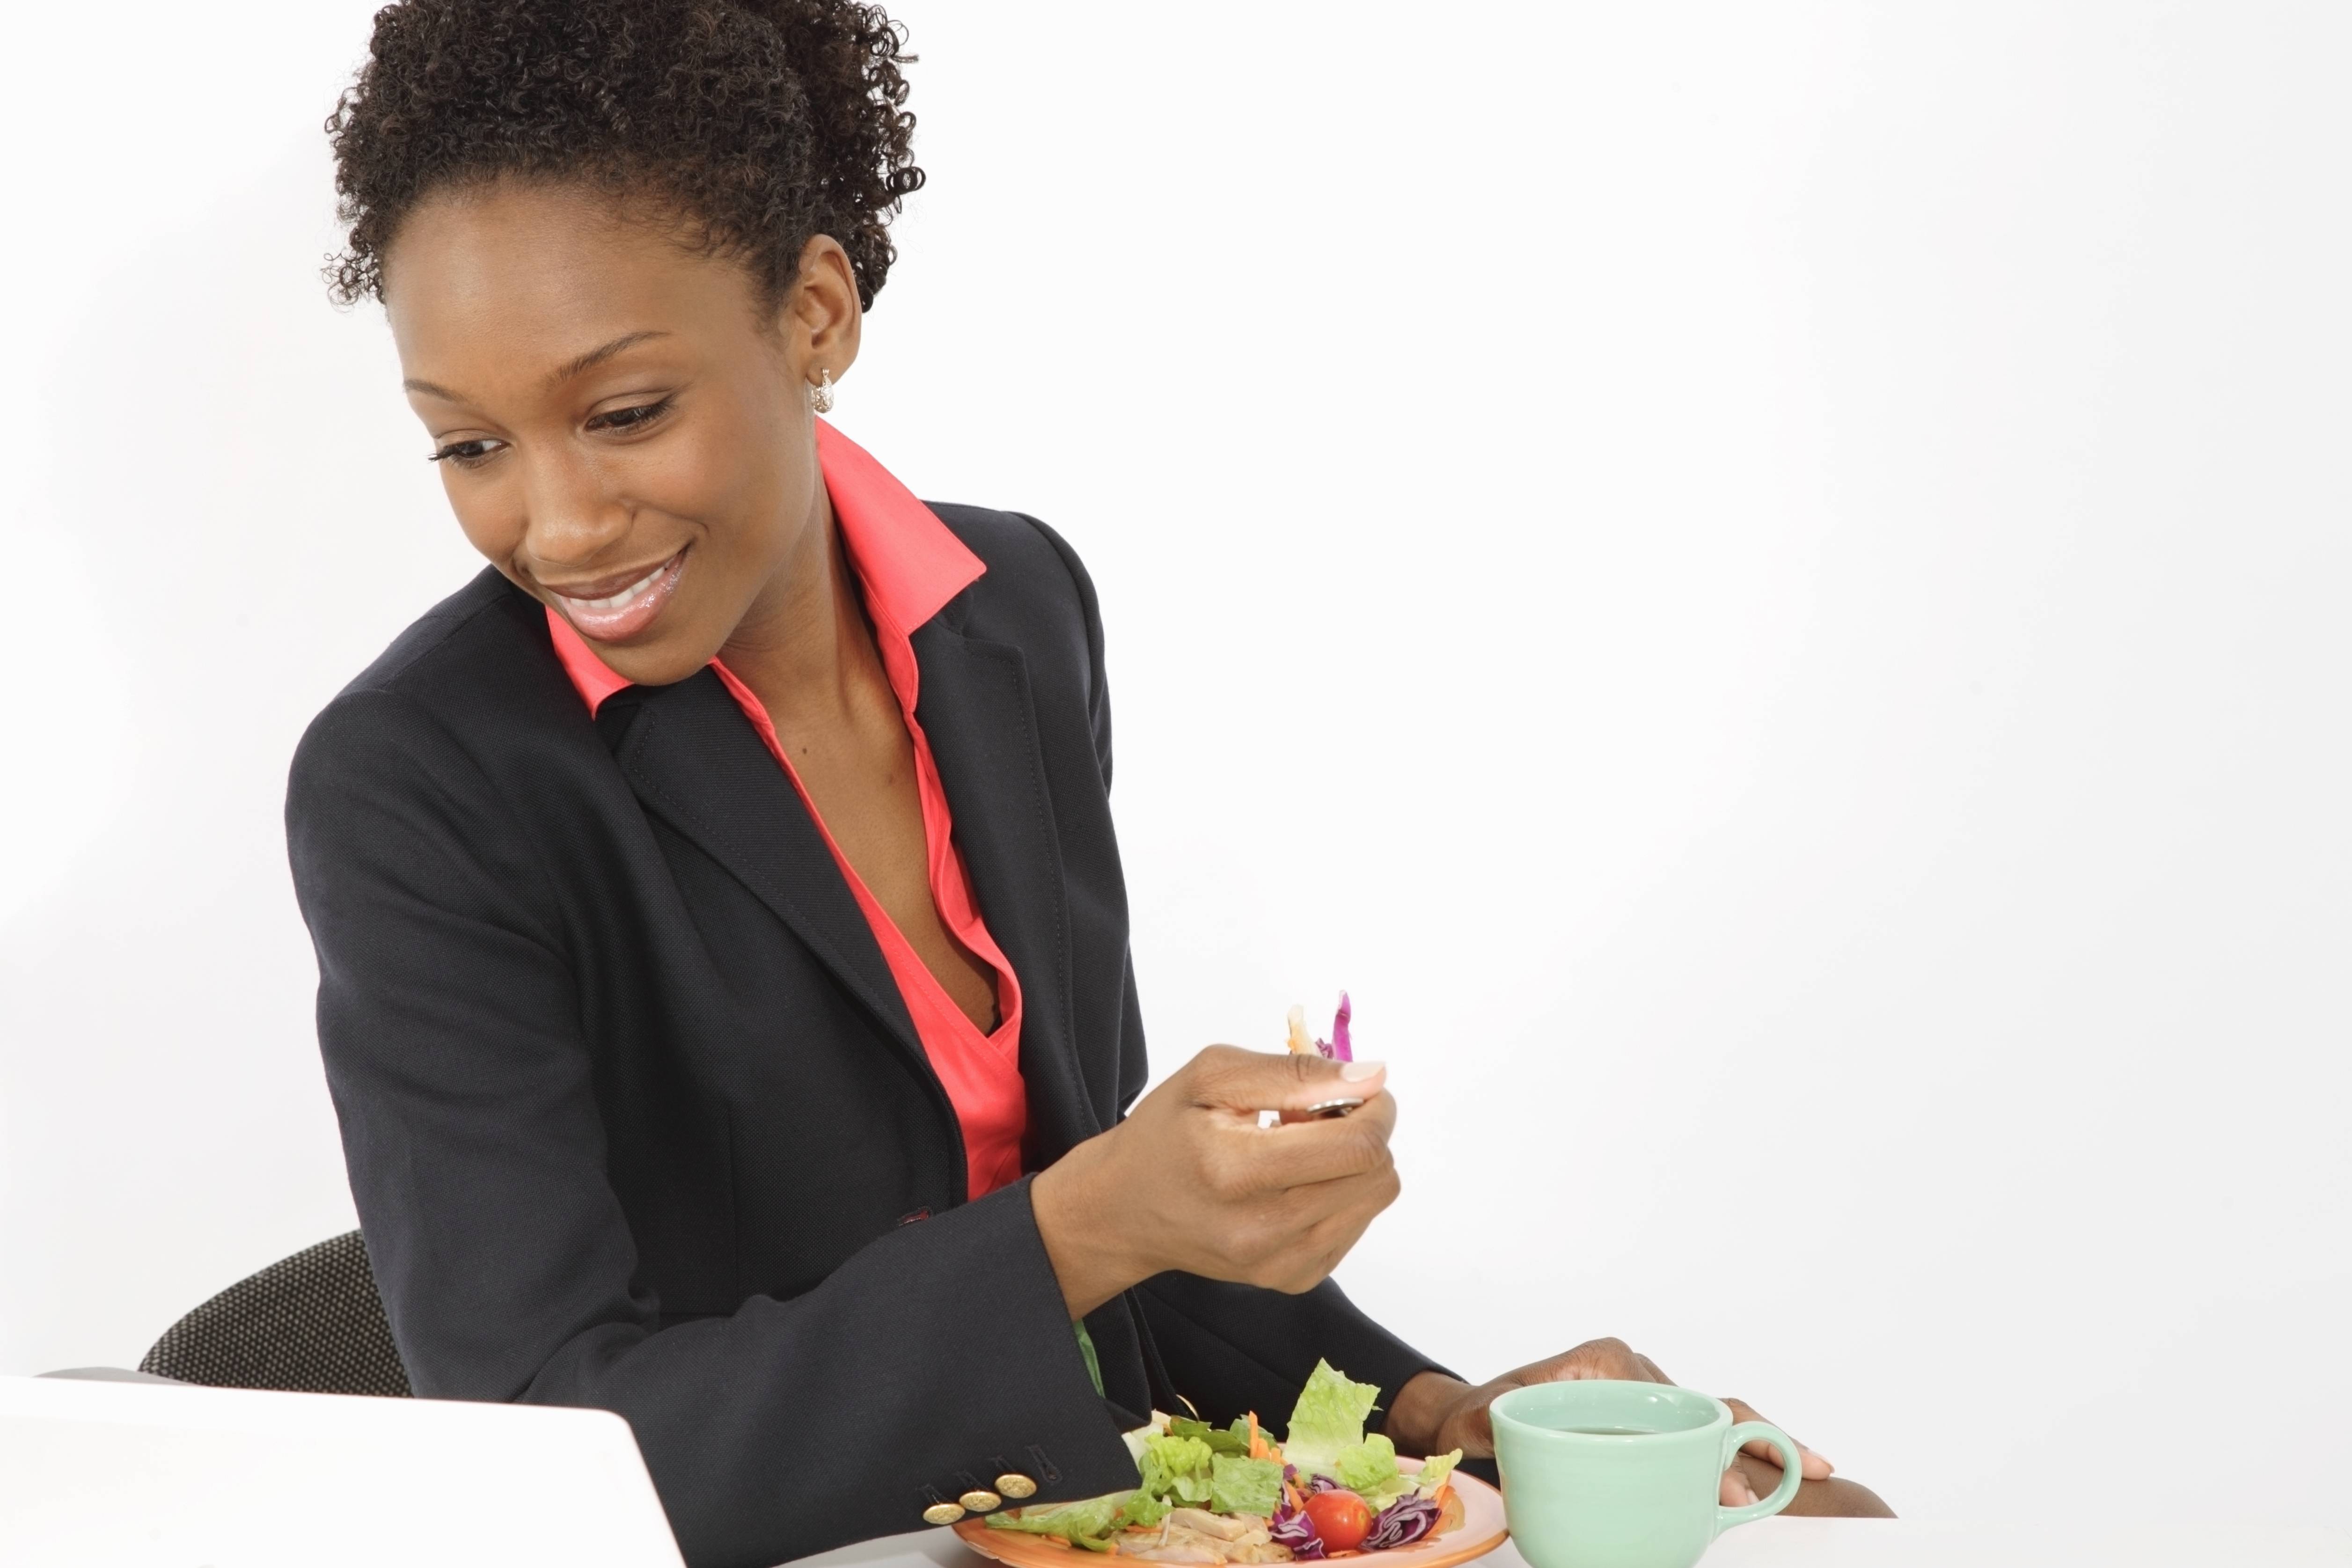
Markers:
<point>563,373</point>
<point>598,356</point>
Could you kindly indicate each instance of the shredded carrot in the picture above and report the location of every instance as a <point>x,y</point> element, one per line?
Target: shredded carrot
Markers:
<point>1259,1449</point>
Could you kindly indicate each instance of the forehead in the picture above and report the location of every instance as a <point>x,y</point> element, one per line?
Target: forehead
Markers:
<point>519,276</point>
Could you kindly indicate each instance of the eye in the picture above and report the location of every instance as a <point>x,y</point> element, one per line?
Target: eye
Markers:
<point>470,454</point>
<point>636,417</point>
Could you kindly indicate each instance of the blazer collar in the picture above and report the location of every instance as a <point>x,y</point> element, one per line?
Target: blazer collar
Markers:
<point>977,711</point>
<point>691,757</point>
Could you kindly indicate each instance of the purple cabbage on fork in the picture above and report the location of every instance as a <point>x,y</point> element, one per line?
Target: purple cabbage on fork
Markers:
<point>1337,1048</point>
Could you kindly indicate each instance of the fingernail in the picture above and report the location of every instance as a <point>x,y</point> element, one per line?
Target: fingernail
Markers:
<point>1743,1491</point>
<point>1357,1072</point>
<point>1816,1454</point>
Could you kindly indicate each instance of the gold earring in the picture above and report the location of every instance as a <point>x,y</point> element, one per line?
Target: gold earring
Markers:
<point>821,395</point>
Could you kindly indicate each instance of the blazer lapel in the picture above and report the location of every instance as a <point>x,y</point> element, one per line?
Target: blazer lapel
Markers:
<point>974,707</point>
<point>690,755</point>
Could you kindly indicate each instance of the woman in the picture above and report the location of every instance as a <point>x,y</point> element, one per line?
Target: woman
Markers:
<point>724,983</point>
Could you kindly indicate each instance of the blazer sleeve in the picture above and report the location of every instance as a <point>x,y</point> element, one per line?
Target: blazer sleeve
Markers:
<point>448,1021</point>
<point>1230,1348</point>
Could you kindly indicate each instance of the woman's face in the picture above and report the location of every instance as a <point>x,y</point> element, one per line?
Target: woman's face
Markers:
<point>622,428</point>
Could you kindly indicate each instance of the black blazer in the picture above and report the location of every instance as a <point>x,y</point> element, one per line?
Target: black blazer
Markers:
<point>634,1115</point>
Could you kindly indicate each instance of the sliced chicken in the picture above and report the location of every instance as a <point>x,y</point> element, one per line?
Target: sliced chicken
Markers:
<point>1196,1535</point>
<point>1209,1523</point>
<point>1177,1544</point>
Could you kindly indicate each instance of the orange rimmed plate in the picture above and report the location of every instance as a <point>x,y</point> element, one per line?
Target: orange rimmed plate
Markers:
<point>1480,1531</point>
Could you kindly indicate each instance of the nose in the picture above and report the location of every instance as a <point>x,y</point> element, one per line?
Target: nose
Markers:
<point>573,514</point>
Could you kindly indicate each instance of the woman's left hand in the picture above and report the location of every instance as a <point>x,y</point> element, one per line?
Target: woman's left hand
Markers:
<point>1435,1413</point>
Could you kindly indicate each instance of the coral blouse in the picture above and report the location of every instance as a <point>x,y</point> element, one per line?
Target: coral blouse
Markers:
<point>908,566</point>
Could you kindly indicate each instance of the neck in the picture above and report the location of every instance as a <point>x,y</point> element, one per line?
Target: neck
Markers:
<point>805,649</point>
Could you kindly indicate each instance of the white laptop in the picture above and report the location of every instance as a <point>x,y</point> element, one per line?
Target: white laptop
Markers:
<point>170,1476</point>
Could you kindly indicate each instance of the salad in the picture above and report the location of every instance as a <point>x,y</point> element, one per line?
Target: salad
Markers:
<point>1213,1494</point>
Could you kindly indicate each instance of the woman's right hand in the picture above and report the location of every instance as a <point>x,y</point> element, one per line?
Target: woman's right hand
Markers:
<point>1189,1180</point>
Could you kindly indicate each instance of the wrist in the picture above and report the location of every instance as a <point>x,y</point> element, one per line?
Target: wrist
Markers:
<point>1417,1415</point>
<point>1072,1202</point>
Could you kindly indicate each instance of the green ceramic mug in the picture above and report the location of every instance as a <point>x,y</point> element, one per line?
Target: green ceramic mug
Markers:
<point>1599,1474</point>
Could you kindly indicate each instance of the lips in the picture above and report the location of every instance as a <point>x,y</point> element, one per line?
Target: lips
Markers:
<point>611,611</point>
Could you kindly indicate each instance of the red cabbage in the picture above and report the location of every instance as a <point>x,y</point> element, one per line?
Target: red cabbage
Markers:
<point>1402,1522</point>
<point>1290,1527</point>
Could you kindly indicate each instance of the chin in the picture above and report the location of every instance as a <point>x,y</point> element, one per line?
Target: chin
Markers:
<point>654,665</point>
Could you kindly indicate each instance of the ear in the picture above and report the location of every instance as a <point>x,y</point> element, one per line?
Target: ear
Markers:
<point>819,317</point>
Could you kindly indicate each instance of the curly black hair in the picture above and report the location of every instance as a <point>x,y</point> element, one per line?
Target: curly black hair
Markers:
<point>763,122</point>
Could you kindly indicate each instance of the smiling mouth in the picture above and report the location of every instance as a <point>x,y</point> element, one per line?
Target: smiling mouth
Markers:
<point>619,615</point>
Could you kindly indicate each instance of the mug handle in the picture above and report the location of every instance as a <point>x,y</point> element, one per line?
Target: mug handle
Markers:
<point>1791,1472</point>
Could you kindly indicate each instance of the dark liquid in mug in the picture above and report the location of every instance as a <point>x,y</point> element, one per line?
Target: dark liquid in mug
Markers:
<point>1611,1431</point>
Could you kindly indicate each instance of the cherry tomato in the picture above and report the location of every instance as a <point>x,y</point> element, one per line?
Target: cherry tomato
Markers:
<point>1340,1519</point>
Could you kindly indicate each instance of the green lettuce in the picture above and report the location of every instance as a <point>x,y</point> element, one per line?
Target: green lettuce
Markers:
<point>1328,1419</point>
<point>1435,1471</point>
<point>1089,1524</point>
<point>1176,1469</point>
<point>1219,1439</point>
<point>1368,1467</point>
<point>1244,1486</point>
<point>1142,1509</point>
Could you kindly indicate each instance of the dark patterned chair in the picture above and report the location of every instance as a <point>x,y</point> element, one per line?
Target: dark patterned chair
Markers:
<point>311,1323</point>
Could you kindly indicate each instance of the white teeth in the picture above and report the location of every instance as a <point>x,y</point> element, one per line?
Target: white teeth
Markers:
<point>632,591</point>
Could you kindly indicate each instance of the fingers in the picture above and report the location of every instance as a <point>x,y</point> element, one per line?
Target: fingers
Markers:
<point>1477,1439</point>
<point>1735,1491</point>
<point>1315,1227</point>
<point>1327,1245</point>
<point>1605,1358</point>
<point>1299,1154</point>
<point>1227,1077</point>
<point>1815,1467</point>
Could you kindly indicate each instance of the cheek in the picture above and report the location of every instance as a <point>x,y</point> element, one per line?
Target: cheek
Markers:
<point>695,474</point>
<point>726,474</point>
<point>479,503</point>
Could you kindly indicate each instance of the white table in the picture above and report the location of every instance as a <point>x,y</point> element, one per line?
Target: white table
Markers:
<point>1851,1543</point>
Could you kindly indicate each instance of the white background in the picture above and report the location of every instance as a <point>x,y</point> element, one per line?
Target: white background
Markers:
<point>1764,584</point>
